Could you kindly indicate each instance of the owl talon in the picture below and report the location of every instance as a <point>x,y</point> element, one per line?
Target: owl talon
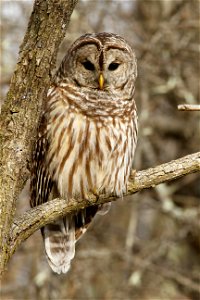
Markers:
<point>133,173</point>
<point>95,192</point>
<point>89,197</point>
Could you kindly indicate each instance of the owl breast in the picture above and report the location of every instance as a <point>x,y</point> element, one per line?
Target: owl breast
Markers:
<point>87,155</point>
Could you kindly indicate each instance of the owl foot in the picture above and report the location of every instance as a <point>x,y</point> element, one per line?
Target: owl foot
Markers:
<point>133,173</point>
<point>95,192</point>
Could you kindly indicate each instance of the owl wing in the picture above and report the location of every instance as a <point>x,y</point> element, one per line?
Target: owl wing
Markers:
<point>60,236</point>
<point>41,181</point>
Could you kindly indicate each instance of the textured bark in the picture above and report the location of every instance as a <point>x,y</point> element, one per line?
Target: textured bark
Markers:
<point>20,113</point>
<point>37,217</point>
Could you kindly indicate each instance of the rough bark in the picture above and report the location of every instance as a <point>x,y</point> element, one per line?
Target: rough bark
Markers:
<point>20,113</point>
<point>37,217</point>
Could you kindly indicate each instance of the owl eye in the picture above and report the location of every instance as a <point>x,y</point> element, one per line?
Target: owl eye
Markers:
<point>88,65</point>
<point>113,66</point>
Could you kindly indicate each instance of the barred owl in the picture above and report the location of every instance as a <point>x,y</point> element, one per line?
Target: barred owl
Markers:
<point>86,138</point>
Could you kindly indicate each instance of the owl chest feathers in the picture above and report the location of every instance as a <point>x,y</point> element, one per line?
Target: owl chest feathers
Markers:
<point>86,155</point>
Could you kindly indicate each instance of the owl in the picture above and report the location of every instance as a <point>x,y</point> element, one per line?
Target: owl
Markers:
<point>86,137</point>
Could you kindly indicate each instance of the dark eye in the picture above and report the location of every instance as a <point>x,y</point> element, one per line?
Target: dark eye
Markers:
<point>113,66</point>
<point>88,65</point>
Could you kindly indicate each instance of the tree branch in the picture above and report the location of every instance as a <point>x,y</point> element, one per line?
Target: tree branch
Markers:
<point>189,107</point>
<point>35,218</point>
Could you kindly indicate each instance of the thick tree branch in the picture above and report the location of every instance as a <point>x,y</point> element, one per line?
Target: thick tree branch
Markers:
<point>20,112</point>
<point>37,217</point>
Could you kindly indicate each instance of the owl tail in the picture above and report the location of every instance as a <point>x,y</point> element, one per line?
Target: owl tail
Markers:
<point>59,241</point>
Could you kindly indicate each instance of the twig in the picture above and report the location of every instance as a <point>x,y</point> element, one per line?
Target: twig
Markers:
<point>189,107</point>
<point>41,215</point>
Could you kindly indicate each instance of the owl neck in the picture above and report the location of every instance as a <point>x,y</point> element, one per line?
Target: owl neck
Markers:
<point>96,103</point>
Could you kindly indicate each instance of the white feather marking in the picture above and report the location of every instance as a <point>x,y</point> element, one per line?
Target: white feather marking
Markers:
<point>59,246</point>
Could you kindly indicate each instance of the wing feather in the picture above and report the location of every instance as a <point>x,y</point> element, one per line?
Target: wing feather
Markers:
<point>41,181</point>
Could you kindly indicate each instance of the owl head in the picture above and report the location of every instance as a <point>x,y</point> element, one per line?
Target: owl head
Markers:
<point>102,61</point>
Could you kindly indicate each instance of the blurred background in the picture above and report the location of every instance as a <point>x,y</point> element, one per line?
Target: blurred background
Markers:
<point>148,245</point>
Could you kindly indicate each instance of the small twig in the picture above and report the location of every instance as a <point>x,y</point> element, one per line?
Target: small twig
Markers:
<point>189,107</point>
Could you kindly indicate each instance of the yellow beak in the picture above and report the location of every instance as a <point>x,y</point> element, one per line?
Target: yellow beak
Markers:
<point>101,81</point>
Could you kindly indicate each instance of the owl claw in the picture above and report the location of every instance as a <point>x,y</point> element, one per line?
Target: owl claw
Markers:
<point>133,173</point>
<point>90,196</point>
<point>95,192</point>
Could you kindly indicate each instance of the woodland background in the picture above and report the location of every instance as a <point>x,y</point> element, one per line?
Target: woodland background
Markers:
<point>147,246</point>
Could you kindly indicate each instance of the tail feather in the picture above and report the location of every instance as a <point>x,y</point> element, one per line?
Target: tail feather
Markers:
<point>59,240</point>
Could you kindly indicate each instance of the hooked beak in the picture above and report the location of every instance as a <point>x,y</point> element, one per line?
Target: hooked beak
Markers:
<point>101,81</point>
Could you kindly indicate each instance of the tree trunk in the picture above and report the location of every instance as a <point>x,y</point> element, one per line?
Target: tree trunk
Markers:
<point>20,112</point>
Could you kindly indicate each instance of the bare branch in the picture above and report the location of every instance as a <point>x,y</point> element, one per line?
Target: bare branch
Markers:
<point>41,215</point>
<point>189,107</point>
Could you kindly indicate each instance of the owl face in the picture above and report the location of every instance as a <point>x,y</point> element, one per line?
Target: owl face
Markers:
<point>100,61</point>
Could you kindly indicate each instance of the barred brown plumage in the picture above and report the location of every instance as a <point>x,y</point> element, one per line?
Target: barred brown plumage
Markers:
<point>87,136</point>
